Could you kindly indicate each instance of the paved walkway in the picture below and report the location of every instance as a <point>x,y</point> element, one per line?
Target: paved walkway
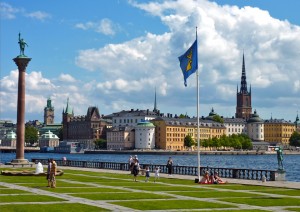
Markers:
<point>109,206</point>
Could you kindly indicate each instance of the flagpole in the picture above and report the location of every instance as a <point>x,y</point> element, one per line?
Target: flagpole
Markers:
<point>198,130</point>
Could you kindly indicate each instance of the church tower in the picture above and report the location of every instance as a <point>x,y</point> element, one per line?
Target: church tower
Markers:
<point>243,97</point>
<point>66,116</point>
<point>48,113</point>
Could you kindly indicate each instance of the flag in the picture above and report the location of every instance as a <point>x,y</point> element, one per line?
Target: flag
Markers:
<point>189,61</point>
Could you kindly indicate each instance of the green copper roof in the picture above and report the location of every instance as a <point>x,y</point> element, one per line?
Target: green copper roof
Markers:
<point>145,124</point>
<point>255,118</point>
<point>68,108</point>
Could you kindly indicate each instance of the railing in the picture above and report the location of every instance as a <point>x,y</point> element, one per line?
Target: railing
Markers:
<point>249,174</point>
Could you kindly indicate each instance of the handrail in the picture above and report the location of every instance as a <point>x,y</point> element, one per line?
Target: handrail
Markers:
<point>235,173</point>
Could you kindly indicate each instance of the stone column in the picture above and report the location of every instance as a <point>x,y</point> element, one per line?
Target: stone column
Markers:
<point>21,62</point>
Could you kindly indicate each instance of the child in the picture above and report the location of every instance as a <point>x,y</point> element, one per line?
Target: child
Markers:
<point>147,174</point>
<point>156,174</point>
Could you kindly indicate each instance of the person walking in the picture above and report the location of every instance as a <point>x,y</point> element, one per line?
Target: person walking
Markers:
<point>170,166</point>
<point>53,170</point>
<point>156,174</point>
<point>136,168</point>
<point>48,172</point>
<point>147,174</point>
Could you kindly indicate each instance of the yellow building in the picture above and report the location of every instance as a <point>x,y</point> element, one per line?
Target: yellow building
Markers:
<point>278,131</point>
<point>170,132</point>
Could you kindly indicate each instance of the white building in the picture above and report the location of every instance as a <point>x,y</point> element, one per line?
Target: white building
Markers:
<point>49,139</point>
<point>121,135</point>
<point>145,135</point>
<point>131,117</point>
<point>120,138</point>
<point>235,126</point>
<point>10,139</point>
<point>255,127</point>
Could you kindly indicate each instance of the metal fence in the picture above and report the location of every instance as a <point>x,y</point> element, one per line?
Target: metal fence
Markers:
<point>248,174</point>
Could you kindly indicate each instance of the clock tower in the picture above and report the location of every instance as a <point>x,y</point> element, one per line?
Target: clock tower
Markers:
<point>48,113</point>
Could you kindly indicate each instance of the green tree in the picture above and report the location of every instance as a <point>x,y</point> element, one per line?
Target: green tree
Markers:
<point>181,116</point>
<point>204,143</point>
<point>218,118</point>
<point>189,141</point>
<point>100,144</point>
<point>295,139</point>
<point>245,141</point>
<point>31,135</point>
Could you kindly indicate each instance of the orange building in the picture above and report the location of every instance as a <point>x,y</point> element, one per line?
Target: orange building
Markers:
<point>170,132</point>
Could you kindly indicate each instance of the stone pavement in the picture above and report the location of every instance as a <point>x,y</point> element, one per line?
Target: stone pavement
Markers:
<point>112,207</point>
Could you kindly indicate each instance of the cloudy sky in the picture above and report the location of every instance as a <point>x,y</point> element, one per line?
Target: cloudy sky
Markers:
<point>113,54</point>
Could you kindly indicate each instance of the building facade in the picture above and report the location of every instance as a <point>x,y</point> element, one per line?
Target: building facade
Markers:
<point>255,128</point>
<point>120,138</point>
<point>243,97</point>
<point>122,134</point>
<point>170,132</point>
<point>84,129</point>
<point>145,135</point>
<point>48,139</point>
<point>10,139</point>
<point>278,131</point>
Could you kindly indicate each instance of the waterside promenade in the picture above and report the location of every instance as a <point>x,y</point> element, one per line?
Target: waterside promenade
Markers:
<point>86,189</point>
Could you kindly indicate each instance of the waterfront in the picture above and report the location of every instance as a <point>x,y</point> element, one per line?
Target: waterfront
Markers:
<point>268,162</point>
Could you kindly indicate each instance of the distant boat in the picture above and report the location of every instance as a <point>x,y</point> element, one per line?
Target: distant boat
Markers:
<point>46,149</point>
<point>69,147</point>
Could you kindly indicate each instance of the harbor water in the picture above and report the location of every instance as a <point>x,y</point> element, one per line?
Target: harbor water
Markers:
<point>266,162</point>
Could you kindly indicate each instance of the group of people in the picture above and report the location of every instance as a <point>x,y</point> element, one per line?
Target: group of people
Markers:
<point>212,178</point>
<point>134,167</point>
<point>51,171</point>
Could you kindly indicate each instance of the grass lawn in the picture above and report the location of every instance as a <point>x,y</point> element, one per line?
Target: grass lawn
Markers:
<point>50,207</point>
<point>28,198</point>
<point>215,194</point>
<point>122,196</point>
<point>12,191</point>
<point>265,201</point>
<point>120,190</point>
<point>171,204</point>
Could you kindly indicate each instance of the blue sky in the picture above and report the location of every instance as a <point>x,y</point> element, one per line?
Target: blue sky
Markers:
<point>113,54</point>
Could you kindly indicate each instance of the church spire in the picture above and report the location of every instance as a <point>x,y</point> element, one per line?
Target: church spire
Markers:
<point>155,106</point>
<point>243,78</point>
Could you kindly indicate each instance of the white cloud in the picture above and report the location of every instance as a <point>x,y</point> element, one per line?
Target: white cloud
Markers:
<point>66,78</point>
<point>127,73</point>
<point>40,15</point>
<point>7,11</point>
<point>223,33</point>
<point>104,26</point>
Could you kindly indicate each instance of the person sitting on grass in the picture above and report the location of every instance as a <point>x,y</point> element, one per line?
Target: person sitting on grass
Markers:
<point>217,179</point>
<point>205,179</point>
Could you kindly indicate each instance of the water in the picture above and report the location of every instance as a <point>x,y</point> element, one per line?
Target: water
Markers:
<point>268,162</point>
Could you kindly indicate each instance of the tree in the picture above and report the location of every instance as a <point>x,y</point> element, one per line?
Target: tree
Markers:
<point>100,144</point>
<point>31,135</point>
<point>295,139</point>
<point>218,118</point>
<point>189,141</point>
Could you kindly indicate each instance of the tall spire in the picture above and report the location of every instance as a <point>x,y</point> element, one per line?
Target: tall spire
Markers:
<point>243,78</point>
<point>155,106</point>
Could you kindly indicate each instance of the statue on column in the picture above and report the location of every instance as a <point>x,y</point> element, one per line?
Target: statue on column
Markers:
<point>22,44</point>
